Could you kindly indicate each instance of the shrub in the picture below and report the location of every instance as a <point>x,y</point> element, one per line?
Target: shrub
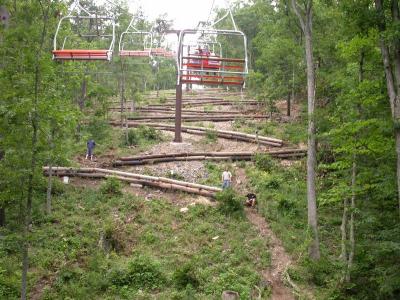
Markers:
<point>186,275</point>
<point>141,273</point>
<point>9,285</point>
<point>163,99</point>
<point>211,136</point>
<point>98,128</point>
<point>112,187</point>
<point>264,162</point>
<point>285,205</point>
<point>265,181</point>
<point>111,237</point>
<point>133,138</point>
<point>320,271</point>
<point>174,175</point>
<point>229,203</point>
<point>141,134</point>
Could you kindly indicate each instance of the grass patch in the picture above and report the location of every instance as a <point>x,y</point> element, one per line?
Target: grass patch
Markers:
<point>142,135</point>
<point>162,253</point>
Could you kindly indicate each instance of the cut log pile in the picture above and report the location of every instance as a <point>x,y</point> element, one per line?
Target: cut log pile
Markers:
<point>233,135</point>
<point>143,180</point>
<point>216,156</point>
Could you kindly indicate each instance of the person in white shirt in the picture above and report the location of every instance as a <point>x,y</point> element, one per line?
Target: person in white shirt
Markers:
<point>226,179</point>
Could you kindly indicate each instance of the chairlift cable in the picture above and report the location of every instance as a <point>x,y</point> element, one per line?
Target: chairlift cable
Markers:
<point>209,14</point>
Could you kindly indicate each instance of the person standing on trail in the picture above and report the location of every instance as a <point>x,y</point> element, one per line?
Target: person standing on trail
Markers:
<point>90,147</point>
<point>226,179</point>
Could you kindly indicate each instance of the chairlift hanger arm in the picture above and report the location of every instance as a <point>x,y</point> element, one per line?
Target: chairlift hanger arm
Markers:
<point>84,54</point>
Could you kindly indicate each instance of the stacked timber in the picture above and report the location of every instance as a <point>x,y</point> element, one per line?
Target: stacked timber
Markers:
<point>143,180</point>
<point>232,135</point>
<point>215,156</point>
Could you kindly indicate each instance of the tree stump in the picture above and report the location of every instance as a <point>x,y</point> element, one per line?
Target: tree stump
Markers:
<point>230,295</point>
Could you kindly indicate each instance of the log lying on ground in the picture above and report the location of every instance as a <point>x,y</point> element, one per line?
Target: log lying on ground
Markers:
<point>205,98</point>
<point>233,135</point>
<point>215,102</point>
<point>193,118</point>
<point>215,156</point>
<point>185,111</point>
<point>145,180</point>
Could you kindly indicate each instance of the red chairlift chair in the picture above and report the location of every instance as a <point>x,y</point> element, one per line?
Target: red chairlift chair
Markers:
<point>135,43</point>
<point>62,53</point>
<point>207,68</point>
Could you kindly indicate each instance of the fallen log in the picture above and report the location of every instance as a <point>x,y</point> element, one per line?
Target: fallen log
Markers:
<point>203,131</point>
<point>136,178</point>
<point>164,179</point>
<point>214,156</point>
<point>191,118</point>
<point>211,154</point>
<point>185,111</point>
<point>168,186</point>
<point>216,103</point>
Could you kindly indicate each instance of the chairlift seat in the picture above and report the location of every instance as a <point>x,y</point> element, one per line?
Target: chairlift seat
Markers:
<point>78,54</point>
<point>212,79</point>
<point>158,52</point>
<point>135,53</point>
<point>77,12</point>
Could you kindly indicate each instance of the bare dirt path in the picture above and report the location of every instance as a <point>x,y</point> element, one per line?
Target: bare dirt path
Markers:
<point>280,260</point>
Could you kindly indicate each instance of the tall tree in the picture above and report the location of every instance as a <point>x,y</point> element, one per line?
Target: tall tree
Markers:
<point>391,64</point>
<point>305,17</point>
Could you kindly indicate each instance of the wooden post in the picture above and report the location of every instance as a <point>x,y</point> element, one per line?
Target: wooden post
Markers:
<point>178,114</point>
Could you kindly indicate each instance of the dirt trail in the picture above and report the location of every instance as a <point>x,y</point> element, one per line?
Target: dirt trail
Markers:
<point>280,260</point>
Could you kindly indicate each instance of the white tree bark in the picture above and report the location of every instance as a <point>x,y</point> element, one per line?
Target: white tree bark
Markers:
<point>305,19</point>
<point>351,223</point>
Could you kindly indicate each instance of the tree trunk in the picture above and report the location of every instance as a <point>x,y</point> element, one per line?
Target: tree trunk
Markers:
<point>81,100</point>
<point>397,132</point>
<point>126,131</point>
<point>352,212</point>
<point>122,91</point>
<point>306,25</point>
<point>343,230</point>
<point>122,101</point>
<point>288,104</point>
<point>2,209</point>
<point>49,189</point>
<point>2,216</point>
<point>50,180</point>
<point>392,82</point>
<point>293,84</point>
<point>31,178</point>
<point>312,153</point>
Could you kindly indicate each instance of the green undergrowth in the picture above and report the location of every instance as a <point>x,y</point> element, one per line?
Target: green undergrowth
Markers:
<point>294,132</point>
<point>99,244</point>
<point>140,136</point>
<point>282,200</point>
<point>214,173</point>
<point>113,140</point>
